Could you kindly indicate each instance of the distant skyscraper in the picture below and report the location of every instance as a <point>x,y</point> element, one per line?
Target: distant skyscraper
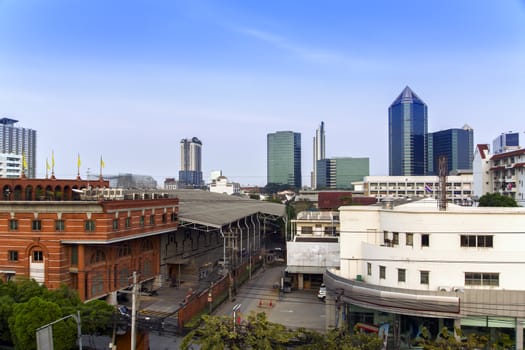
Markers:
<point>284,158</point>
<point>190,174</point>
<point>340,172</point>
<point>319,152</point>
<point>506,142</point>
<point>407,130</point>
<point>456,144</point>
<point>20,141</point>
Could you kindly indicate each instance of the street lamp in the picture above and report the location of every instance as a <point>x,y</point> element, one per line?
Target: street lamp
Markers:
<point>236,308</point>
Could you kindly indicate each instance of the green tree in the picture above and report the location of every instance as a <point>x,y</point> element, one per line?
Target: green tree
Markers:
<point>6,309</point>
<point>496,200</point>
<point>27,317</point>
<point>272,188</point>
<point>446,340</point>
<point>339,339</point>
<point>256,332</point>
<point>97,316</point>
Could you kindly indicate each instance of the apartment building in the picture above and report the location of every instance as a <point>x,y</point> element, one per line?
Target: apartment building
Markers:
<point>414,265</point>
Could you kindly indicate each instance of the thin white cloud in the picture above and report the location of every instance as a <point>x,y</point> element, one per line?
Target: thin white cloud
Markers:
<point>309,54</point>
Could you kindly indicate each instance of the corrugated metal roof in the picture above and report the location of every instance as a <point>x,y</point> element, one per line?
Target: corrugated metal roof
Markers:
<point>216,210</point>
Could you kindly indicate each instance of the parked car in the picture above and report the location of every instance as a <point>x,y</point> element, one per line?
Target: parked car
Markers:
<point>322,292</point>
<point>124,310</point>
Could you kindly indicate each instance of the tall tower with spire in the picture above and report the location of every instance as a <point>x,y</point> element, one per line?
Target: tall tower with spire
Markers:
<point>407,133</point>
<point>318,152</point>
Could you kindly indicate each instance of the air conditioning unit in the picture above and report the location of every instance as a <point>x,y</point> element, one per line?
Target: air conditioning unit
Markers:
<point>444,289</point>
<point>458,289</point>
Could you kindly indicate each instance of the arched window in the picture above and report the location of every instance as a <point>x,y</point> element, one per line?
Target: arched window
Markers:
<point>124,250</point>
<point>98,257</point>
<point>58,194</point>
<point>29,193</point>
<point>6,192</point>
<point>147,245</point>
<point>17,193</point>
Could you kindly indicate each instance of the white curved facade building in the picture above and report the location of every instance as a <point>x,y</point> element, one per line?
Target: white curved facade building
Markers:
<point>412,265</point>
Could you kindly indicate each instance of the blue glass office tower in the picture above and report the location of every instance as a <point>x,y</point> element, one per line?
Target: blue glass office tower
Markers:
<point>407,132</point>
<point>456,144</point>
<point>284,158</point>
<point>506,142</point>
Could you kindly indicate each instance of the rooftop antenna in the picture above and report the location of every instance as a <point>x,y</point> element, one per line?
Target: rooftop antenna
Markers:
<point>443,172</point>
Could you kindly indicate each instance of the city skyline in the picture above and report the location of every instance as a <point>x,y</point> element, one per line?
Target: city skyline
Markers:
<point>128,80</point>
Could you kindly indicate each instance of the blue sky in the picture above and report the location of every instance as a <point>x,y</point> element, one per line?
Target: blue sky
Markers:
<point>127,80</point>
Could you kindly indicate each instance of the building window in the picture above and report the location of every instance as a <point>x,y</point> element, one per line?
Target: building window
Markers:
<point>482,279</point>
<point>128,222</point>
<point>36,225</point>
<point>98,256</point>
<point>74,255</point>
<point>425,240</point>
<point>468,241</point>
<point>142,220</point>
<point>124,250</point>
<point>382,272</point>
<point>147,245</point>
<point>401,275</point>
<point>13,225</point>
<point>115,224</point>
<point>483,241</point>
<point>89,225</point>
<point>164,218</point>
<point>410,239</point>
<point>60,225</point>
<point>38,256</point>
<point>12,255</point>
<point>369,269</point>
<point>424,277</point>
<point>173,217</point>
<point>329,230</point>
<point>152,220</point>
<point>395,238</point>
<point>306,230</point>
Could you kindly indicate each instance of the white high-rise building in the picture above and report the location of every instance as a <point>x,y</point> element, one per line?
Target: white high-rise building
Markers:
<point>20,141</point>
<point>10,165</point>
<point>190,174</point>
<point>318,152</point>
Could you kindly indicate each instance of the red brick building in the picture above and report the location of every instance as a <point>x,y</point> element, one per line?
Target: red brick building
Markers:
<point>51,232</point>
<point>332,200</point>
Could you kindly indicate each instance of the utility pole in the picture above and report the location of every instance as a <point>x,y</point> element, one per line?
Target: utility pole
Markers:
<point>134,313</point>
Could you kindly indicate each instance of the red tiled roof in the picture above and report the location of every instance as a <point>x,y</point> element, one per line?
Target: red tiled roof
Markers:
<point>508,154</point>
<point>481,149</point>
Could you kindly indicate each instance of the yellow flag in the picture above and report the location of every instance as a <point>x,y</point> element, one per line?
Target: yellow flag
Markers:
<point>102,164</point>
<point>24,161</point>
<point>47,165</point>
<point>78,161</point>
<point>53,159</point>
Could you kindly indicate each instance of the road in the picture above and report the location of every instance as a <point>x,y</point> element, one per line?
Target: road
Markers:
<point>295,310</point>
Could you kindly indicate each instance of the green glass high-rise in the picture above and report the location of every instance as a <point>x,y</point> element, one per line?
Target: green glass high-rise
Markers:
<point>407,132</point>
<point>284,158</point>
<point>340,172</point>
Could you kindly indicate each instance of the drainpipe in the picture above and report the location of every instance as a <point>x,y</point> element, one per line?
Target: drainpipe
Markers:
<point>248,250</point>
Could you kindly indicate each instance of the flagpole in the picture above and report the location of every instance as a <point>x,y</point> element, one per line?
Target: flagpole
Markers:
<point>102,165</point>
<point>52,164</point>
<point>78,167</point>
